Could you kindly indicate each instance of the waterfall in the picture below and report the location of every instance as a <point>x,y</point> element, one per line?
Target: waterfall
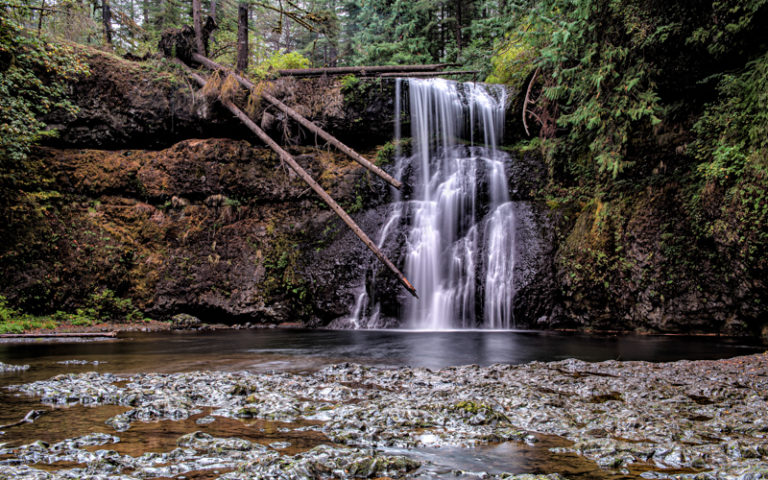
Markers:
<point>458,222</point>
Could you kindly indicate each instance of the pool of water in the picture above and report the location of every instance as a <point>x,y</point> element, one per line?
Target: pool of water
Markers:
<point>306,350</point>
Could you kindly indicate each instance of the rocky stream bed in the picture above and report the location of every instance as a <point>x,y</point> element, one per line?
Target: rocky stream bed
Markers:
<point>688,419</point>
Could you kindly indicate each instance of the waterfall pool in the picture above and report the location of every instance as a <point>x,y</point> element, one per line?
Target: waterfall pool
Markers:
<point>268,350</point>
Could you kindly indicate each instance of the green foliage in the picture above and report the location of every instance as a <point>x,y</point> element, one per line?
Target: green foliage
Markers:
<point>596,83</point>
<point>737,24</point>
<point>14,321</point>
<point>81,317</point>
<point>512,64</point>
<point>613,73</point>
<point>387,152</point>
<point>731,133</point>
<point>732,149</point>
<point>105,306</point>
<point>514,56</point>
<point>278,61</point>
<point>33,73</point>
<point>349,82</point>
<point>357,206</point>
<point>283,275</point>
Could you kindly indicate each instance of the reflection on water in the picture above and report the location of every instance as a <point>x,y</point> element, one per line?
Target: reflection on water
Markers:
<point>307,350</point>
<point>508,457</point>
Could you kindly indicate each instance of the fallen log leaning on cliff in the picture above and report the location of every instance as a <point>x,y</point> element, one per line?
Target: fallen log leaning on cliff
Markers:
<point>361,71</point>
<point>58,335</point>
<point>303,121</point>
<point>288,158</point>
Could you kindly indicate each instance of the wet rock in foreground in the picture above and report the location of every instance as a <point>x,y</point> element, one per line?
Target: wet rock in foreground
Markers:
<point>692,419</point>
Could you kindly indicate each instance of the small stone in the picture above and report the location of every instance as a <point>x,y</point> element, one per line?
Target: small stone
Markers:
<point>183,321</point>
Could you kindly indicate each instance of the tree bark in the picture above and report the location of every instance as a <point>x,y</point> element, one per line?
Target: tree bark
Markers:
<point>212,11</point>
<point>527,101</point>
<point>58,335</point>
<point>361,71</point>
<point>40,18</point>
<point>458,25</point>
<point>288,158</point>
<point>242,36</point>
<point>430,74</point>
<point>106,17</point>
<point>197,21</point>
<point>304,122</point>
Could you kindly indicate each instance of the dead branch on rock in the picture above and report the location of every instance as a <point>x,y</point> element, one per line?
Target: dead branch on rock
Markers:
<point>288,159</point>
<point>299,118</point>
<point>527,101</point>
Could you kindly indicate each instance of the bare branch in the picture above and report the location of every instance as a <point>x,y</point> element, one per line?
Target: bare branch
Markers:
<point>528,100</point>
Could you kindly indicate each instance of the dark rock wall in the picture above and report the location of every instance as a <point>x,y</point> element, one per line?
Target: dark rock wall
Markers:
<point>220,229</point>
<point>216,228</point>
<point>635,263</point>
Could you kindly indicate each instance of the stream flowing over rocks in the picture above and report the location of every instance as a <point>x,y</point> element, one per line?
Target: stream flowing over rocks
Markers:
<point>700,420</point>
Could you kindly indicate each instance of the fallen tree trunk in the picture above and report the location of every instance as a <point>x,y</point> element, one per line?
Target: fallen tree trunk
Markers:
<point>362,71</point>
<point>303,121</point>
<point>288,158</point>
<point>430,74</point>
<point>57,335</point>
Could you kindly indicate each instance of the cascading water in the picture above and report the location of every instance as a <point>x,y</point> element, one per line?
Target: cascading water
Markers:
<point>458,221</point>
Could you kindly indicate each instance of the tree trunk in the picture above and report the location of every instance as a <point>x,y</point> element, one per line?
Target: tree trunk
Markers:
<point>242,36</point>
<point>443,27</point>
<point>458,25</point>
<point>197,21</point>
<point>430,74</point>
<point>106,17</point>
<point>212,15</point>
<point>362,71</point>
<point>145,14</point>
<point>58,335</point>
<point>40,18</point>
<point>288,158</point>
<point>305,123</point>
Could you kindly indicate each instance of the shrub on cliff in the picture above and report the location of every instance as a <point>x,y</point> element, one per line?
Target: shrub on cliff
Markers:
<point>614,74</point>
<point>32,76</point>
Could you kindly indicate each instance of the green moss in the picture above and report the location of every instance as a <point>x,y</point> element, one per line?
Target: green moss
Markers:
<point>349,82</point>
<point>386,153</point>
<point>283,276</point>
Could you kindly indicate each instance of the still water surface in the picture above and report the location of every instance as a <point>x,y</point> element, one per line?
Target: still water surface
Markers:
<point>302,350</point>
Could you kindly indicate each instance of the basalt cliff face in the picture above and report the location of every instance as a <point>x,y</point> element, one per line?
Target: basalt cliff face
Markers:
<point>161,197</point>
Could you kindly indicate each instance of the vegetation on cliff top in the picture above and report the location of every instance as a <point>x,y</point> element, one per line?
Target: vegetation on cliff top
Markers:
<point>33,75</point>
